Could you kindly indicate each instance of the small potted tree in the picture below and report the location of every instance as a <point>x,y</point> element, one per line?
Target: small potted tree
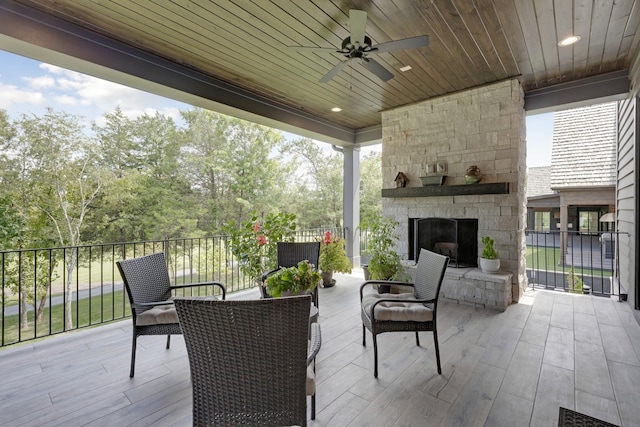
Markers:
<point>384,262</point>
<point>489,261</point>
<point>333,258</point>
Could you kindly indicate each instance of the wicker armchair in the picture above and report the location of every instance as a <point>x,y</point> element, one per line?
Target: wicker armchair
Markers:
<point>405,311</point>
<point>146,280</point>
<point>289,254</point>
<point>251,361</point>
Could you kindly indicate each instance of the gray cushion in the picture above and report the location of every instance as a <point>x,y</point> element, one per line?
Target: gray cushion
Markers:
<point>395,310</point>
<point>161,314</point>
<point>164,314</point>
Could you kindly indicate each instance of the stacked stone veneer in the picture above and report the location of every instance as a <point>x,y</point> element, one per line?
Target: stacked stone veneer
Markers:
<point>471,286</point>
<point>484,126</point>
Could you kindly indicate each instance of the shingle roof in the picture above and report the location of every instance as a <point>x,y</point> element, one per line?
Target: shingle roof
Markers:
<point>538,181</point>
<point>584,147</point>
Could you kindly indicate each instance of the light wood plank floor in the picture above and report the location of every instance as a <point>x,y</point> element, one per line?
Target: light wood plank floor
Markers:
<point>499,369</point>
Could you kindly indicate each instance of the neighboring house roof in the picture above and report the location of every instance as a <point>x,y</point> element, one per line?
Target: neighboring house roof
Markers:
<point>584,147</point>
<point>539,181</point>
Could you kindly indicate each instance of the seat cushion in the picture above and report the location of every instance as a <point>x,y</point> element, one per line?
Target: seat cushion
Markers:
<point>164,314</point>
<point>395,310</point>
<point>311,381</point>
<point>158,315</point>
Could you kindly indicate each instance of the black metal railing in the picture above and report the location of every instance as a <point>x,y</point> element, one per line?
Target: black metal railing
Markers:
<point>573,261</point>
<point>53,290</point>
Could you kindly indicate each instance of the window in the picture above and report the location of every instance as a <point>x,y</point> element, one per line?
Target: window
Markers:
<point>588,221</point>
<point>542,221</point>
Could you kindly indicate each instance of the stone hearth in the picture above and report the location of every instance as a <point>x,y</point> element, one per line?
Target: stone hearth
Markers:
<point>471,286</point>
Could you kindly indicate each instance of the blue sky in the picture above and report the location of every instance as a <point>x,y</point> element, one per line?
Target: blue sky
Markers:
<point>28,86</point>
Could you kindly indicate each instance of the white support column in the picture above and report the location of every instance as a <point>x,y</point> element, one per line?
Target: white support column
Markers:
<point>351,202</point>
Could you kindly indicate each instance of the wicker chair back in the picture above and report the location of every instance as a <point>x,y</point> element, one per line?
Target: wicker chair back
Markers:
<point>248,360</point>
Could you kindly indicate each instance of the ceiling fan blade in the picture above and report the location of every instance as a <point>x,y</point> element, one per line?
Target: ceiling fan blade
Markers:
<point>314,49</point>
<point>357,22</point>
<point>335,70</point>
<point>410,43</point>
<point>377,69</point>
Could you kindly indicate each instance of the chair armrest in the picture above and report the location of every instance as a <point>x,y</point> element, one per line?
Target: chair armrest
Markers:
<point>193,285</point>
<point>316,342</point>
<point>381,282</point>
<point>267,274</point>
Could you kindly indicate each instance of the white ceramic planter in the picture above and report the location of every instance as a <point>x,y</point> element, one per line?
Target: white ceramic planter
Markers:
<point>489,265</point>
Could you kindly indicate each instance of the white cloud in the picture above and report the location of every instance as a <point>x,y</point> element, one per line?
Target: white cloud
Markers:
<point>76,93</point>
<point>66,100</point>
<point>12,95</point>
<point>43,82</point>
<point>53,69</point>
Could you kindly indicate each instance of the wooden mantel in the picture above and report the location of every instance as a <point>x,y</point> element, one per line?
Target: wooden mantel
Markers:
<point>447,190</point>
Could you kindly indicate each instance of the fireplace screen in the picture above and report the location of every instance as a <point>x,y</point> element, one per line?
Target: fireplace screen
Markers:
<point>456,238</point>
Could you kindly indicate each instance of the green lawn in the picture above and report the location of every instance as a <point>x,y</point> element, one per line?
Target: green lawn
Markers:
<point>90,311</point>
<point>548,258</point>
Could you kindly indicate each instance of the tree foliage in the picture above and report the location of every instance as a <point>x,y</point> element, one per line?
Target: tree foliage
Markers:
<point>151,178</point>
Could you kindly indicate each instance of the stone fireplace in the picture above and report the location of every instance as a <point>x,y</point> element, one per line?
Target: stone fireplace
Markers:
<point>483,126</point>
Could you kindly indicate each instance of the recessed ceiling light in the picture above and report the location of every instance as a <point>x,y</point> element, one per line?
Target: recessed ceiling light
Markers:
<point>405,68</point>
<point>569,40</point>
<point>336,109</point>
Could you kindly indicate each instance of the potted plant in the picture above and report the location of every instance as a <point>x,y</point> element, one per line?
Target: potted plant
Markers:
<point>333,258</point>
<point>489,261</point>
<point>384,262</point>
<point>576,285</point>
<point>298,280</point>
<point>253,242</point>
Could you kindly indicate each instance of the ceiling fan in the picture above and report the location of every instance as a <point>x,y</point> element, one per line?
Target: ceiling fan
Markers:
<point>358,46</point>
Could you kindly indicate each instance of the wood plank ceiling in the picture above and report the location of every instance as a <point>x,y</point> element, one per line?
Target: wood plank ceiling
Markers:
<point>472,43</point>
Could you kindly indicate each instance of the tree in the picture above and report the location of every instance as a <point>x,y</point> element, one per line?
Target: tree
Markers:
<point>370,187</point>
<point>147,198</point>
<point>319,183</point>
<point>233,164</point>
<point>58,179</point>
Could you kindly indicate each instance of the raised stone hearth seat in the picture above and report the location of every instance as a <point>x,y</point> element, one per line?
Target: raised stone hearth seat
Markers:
<point>473,287</point>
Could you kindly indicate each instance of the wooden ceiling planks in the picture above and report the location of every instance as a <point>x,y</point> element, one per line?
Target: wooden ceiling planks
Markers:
<point>243,42</point>
<point>564,27</point>
<point>544,10</point>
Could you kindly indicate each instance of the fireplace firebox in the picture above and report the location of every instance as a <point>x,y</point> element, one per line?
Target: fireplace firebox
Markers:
<point>455,237</point>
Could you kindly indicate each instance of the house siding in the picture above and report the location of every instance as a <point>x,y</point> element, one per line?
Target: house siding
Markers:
<point>627,197</point>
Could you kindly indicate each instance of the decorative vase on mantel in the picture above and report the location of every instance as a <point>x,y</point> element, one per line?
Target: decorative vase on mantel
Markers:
<point>473,175</point>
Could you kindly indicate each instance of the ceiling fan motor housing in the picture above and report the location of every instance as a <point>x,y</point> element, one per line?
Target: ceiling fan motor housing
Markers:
<point>352,51</point>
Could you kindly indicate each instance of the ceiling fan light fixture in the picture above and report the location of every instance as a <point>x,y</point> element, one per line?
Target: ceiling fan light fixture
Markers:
<point>336,109</point>
<point>567,41</point>
<point>358,46</point>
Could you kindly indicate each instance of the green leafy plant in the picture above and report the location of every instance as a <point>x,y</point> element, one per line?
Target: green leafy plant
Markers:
<point>384,262</point>
<point>293,280</point>
<point>489,252</point>
<point>253,242</point>
<point>574,281</point>
<point>333,256</point>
